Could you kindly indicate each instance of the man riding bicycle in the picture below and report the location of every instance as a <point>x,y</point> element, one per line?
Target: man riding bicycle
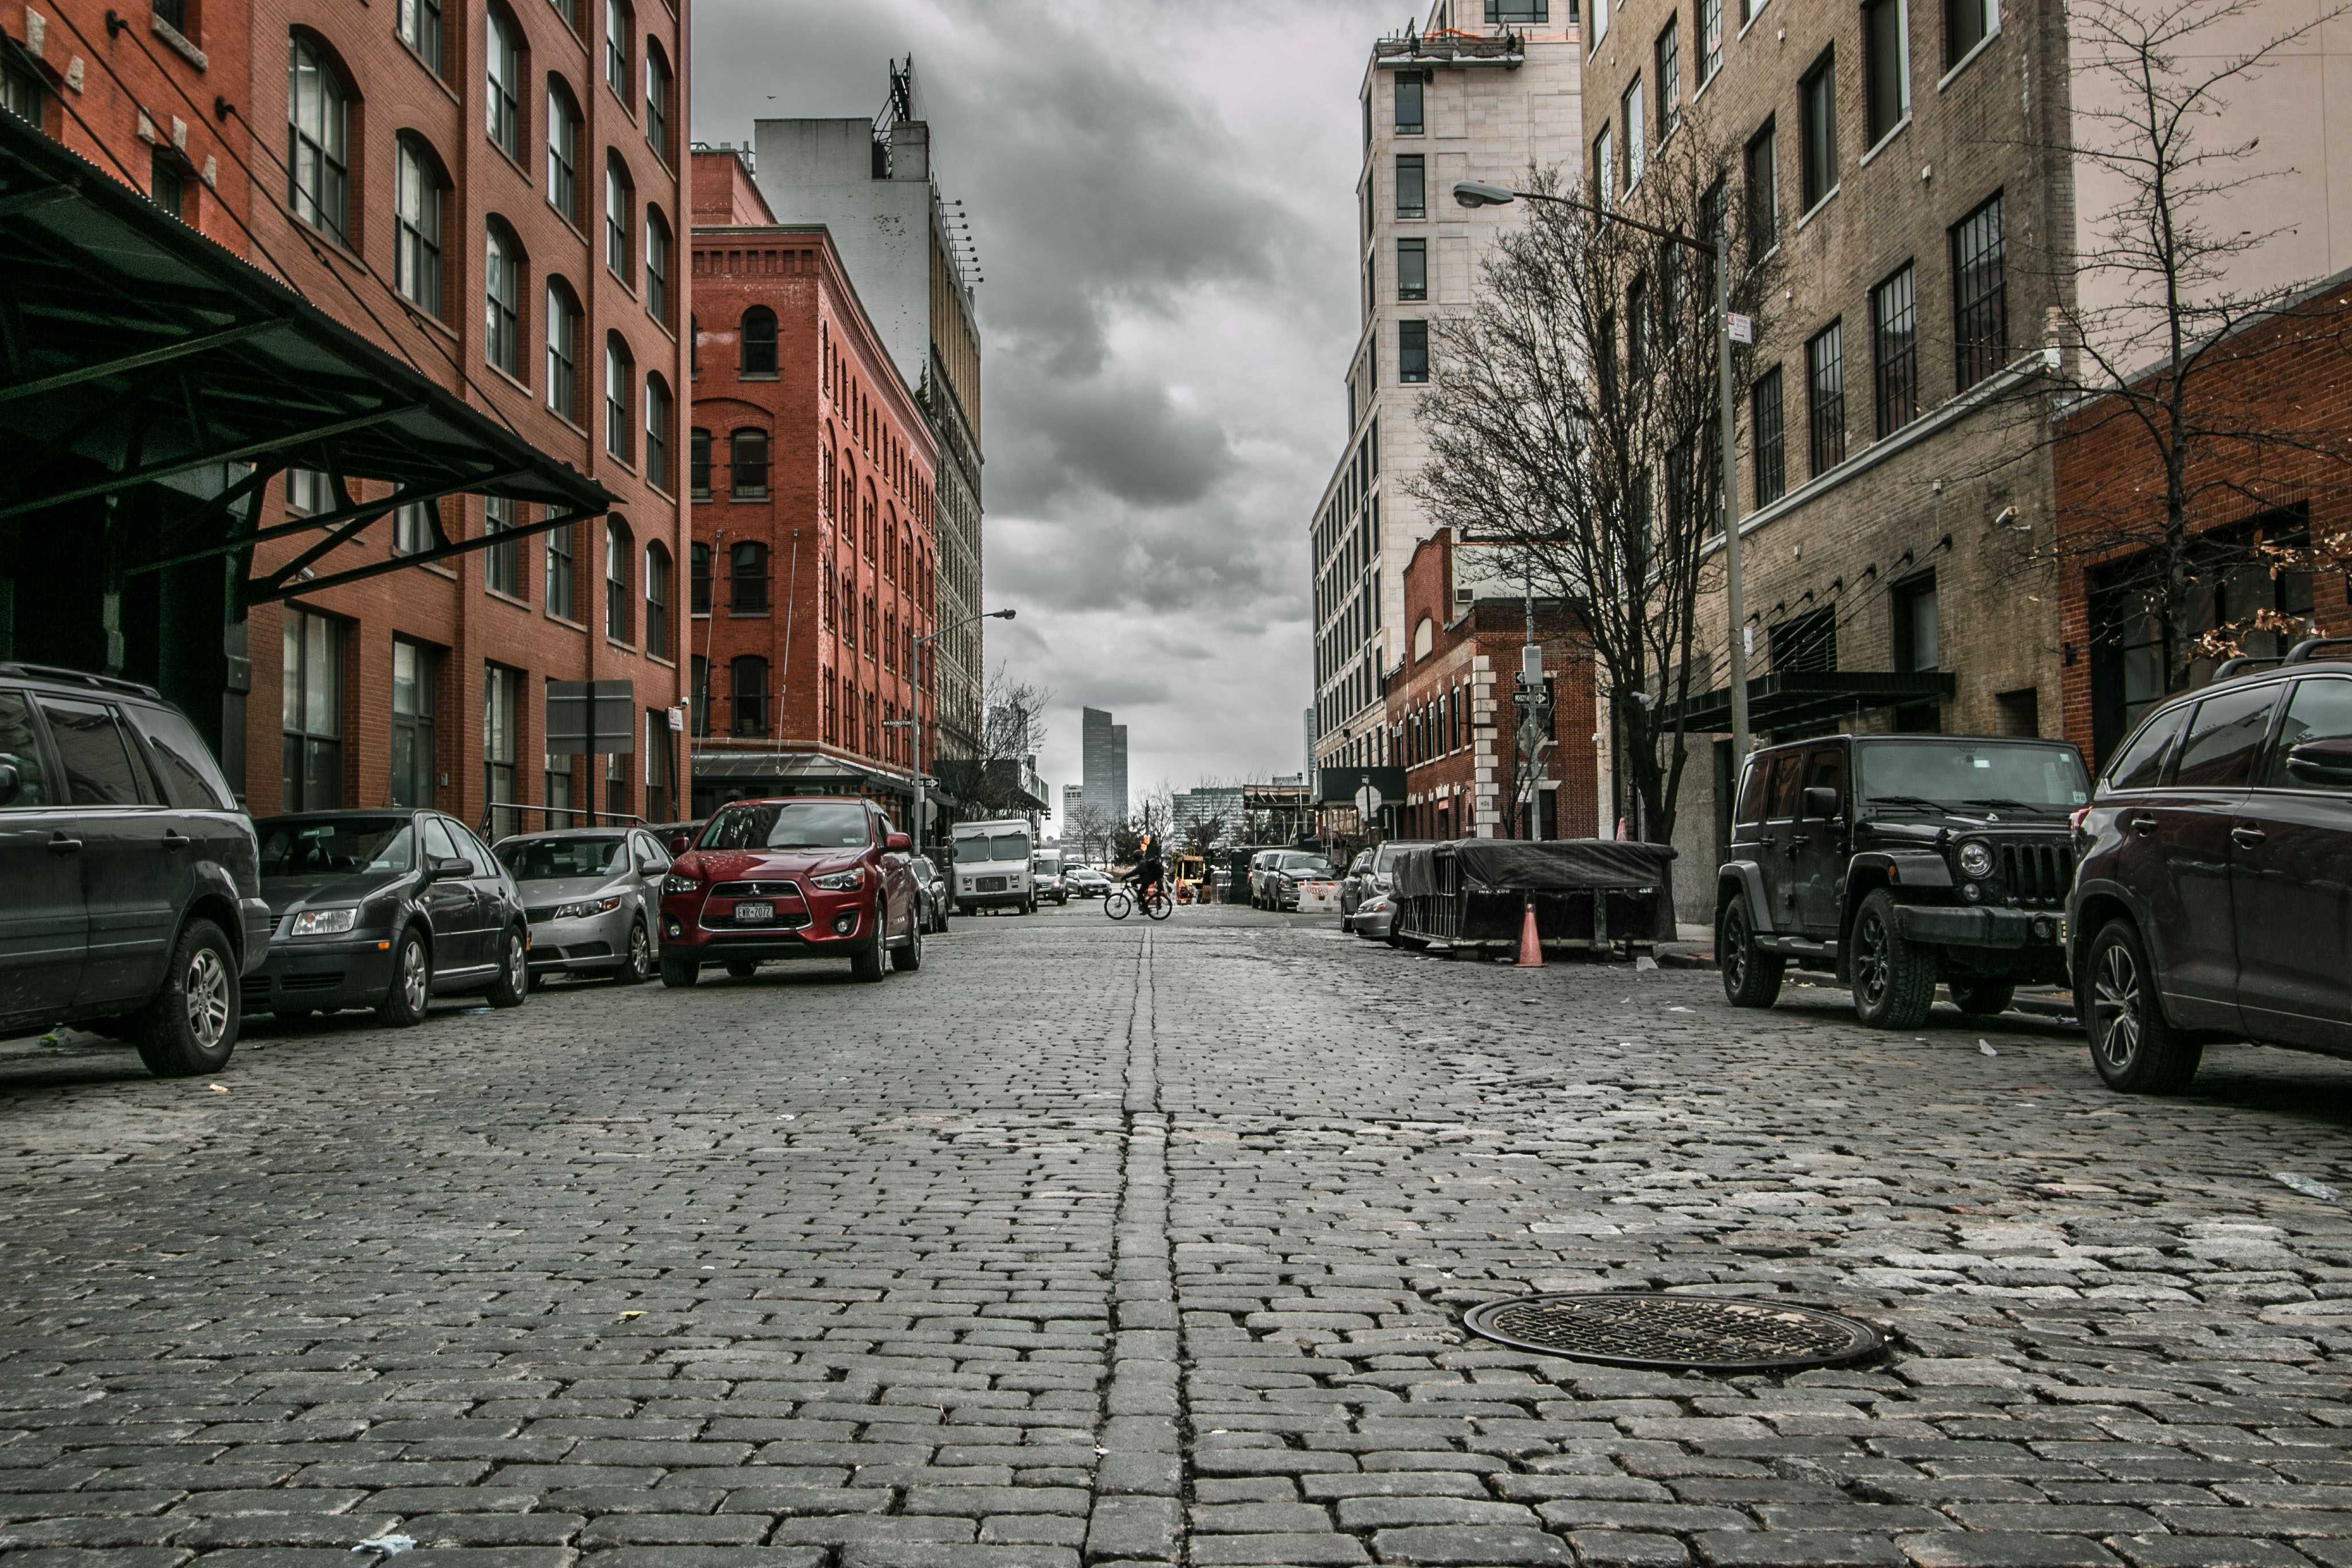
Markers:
<point>1146,877</point>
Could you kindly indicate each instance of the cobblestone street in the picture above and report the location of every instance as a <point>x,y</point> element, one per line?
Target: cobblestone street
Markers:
<point>1113,1242</point>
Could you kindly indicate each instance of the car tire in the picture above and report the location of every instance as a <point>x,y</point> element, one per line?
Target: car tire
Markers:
<point>1894,980</point>
<point>679,973</point>
<point>513,984</point>
<point>191,1026</point>
<point>871,961</point>
<point>909,958</point>
<point>743,968</point>
<point>640,965</point>
<point>411,992</point>
<point>1751,978</point>
<point>1982,998</point>
<point>2133,1044</point>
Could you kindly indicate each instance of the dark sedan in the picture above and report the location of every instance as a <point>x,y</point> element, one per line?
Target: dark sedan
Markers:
<point>383,909</point>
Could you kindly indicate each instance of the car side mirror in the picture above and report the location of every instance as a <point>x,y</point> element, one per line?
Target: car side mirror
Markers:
<point>2328,762</point>
<point>447,869</point>
<point>1823,804</point>
<point>9,784</point>
<point>897,842</point>
<point>656,868</point>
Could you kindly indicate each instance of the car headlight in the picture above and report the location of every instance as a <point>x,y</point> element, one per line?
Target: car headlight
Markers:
<point>676,882</point>
<point>587,907</point>
<point>324,922</point>
<point>1975,859</point>
<point>841,881</point>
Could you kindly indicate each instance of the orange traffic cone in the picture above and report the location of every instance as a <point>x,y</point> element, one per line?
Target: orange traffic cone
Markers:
<point>1531,945</point>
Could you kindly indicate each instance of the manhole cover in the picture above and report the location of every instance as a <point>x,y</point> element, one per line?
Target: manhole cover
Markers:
<point>1711,1333</point>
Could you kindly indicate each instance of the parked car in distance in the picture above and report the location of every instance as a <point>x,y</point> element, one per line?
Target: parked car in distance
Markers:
<point>131,894</point>
<point>386,910</point>
<point>1085,881</point>
<point>1261,865</point>
<point>674,837</point>
<point>593,898</point>
<point>1351,888</point>
<point>1045,876</point>
<point>933,887</point>
<point>2213,901</point>
<point>1375,918</point>
<point>1373,871</point>
<point>992,865</point>
<point>806,877</point>
<point>1290,869</point>
<point>1898,860</point>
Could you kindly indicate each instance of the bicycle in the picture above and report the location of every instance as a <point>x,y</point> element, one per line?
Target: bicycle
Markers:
<point>1122,899</point>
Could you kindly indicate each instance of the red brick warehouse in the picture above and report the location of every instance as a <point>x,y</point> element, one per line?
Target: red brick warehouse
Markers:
<point>813,547</point>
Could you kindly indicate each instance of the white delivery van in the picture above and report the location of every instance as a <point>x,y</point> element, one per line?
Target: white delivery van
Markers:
<point>992,865</point>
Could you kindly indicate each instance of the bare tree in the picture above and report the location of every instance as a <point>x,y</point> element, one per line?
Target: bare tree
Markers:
<point>1091,826</point>
<point>1573,418</point>
<point>1011,731</point>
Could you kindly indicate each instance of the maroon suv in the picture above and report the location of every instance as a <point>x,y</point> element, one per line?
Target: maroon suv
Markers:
<point>821,877</point>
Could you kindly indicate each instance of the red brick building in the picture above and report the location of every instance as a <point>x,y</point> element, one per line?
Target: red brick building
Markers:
<point>814,554</point>
<point>1451,719</point>
<point>489,192</point>
<point>2289,377</point>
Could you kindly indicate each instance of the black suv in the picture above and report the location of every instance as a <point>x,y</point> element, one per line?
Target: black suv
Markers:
<point>1898,860</point>
<point>2215,897</point>
<point>130,894</point>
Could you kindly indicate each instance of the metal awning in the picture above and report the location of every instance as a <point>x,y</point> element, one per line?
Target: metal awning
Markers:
<point>1784,699</point>
<point>136,351</point>
<point>811,769</point>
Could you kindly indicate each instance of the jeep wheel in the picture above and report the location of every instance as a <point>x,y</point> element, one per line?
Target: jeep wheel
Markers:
<point>1893,981</point>
<point>191,1026</point>
<point>1982,998</point>
<point>2132,1045</point>
<point>1750,978</point>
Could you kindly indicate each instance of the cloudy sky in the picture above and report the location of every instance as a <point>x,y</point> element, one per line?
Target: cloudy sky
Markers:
<point>1163,192</point>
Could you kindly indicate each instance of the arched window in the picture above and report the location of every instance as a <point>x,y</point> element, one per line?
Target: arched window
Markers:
<point>847,514</point>
<point>620,218</point>
<point>620,46</point>
<point>562,150</point>
<point>618,616</point>
<point>747,465</point>
<point>869,523</point>
<point>562,349</point>
<point>656,264</point>
<point>907,555</point>
<point>318,138</point>
<point>759,340</point>
<point>747,578</point>
<point>748,675</point>
<point>658,412</point>
<point>657,591</point>
<point>699,588</point>
<point>418,23</point>
<point>698,477</point>
<point>417,189</point>
<point>660,88</point>
<point>620,382</point>
<point>503,65</point>
<point>502,276</point>
<point>889,556</point>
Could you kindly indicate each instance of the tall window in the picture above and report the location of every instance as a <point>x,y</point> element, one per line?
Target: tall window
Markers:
<point>1634,117</point>
<point>660,775</point>
<point>502,563</point>
<point>22,93</point>
<point>1764,422</point>
<point>311,774</point>
<point>562,150</point>
<point>620,381</point>
<point>659,589</point>
<point>620,45</point>
<point>619,614</point>
<point>173,13</point>
<point>1412,269</point>
<point>660,87</point>
<point>1710,40</point>
<point>1409,102</point>
<point>747,696</point>
<point>502,300</point>
<point>1667,55</point>
<point>414,768</point>
<point>501,706</point>
<point>560,573</point>
<point>1825,397</point>
<point>503,73</point>
<point>1967,24</point>
<point>747,465</point>
<point>1413,352</point>
<point>418,22</point>
<point>1817,102</point>
<point>562,350</point>
<point>698,576</point>
<point>413,528</point>
<point>318,120</point>
<point>1412,186</point>
<point>416,217</point>
<point>1916,624</point>
<point>1886,65</point>
<point>620,215</point>
<point>759,334</point>
<point>699,721</point>
<point>1604,168</point>
<point>167,180</point>
<point>747,578</point>
<point>658,413</point>
<point>656,264</point>
<point>1979,295</point>
<point>1763,192</point>
<point>699,463</point>
<point>1895,351</point>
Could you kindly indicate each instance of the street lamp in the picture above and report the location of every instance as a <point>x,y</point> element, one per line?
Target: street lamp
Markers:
<point>914,720</point>
<point>1476,193</point>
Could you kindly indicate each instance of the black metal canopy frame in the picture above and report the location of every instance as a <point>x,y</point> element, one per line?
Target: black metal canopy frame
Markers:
<point>136,351</point>
<point>1786,699</point>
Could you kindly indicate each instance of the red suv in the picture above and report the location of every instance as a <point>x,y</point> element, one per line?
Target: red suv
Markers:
<point>821,877</point>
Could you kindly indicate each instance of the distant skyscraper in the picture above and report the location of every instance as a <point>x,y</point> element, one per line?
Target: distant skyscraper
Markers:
<point>1105,762</point>
<point>1073,797</point>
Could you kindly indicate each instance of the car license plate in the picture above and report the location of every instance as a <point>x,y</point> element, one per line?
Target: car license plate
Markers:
<point>754,914</point>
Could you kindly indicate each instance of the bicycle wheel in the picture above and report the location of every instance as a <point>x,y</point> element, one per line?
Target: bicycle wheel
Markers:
<point>1159,906</point>
<point>1115,905</point>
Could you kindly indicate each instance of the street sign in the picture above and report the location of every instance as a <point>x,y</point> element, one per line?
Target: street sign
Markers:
<point>1368,801</point>
<point>1741,328</point>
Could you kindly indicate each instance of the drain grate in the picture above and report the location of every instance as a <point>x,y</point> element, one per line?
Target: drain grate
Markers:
<point>1710,1333</point>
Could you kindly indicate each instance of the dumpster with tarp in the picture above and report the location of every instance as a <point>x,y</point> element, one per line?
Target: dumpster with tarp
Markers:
<point>1595,894</point>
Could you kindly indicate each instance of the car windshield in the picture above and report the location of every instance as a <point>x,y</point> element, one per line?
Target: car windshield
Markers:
<point>1314,863</point>
<point>337,847</point>
<point>792,824</point>
<point>1045,865</point>
<point>991,847</point>
<point>539,859</point>
<point>2017,776</point>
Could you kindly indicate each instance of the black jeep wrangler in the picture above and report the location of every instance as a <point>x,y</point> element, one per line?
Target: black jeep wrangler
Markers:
<point>1896,861</point>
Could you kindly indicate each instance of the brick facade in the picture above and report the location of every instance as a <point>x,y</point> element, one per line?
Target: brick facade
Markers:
<point>845,521</point>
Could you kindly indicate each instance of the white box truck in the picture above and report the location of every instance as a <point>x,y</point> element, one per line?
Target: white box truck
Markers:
<point>992,865</point>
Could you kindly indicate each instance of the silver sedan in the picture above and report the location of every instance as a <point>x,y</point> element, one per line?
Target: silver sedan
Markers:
<point>594,895</point>
<point>1375,918</point>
